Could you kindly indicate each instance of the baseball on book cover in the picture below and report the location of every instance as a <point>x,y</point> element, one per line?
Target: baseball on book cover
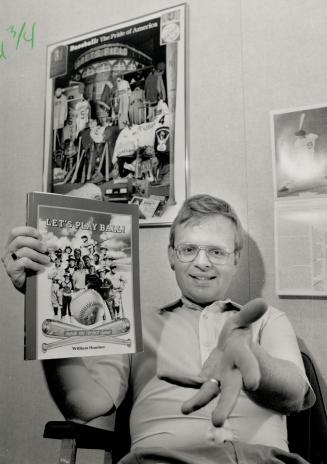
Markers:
<point>86,302</point>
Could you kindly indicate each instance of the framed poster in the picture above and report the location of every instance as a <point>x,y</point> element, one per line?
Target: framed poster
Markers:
<point>115,125</point>
<point>299,150</point>
<point>87,301</point>
<point>301,247</point>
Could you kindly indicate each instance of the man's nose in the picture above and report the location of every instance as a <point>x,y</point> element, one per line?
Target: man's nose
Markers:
<point>202,259</point>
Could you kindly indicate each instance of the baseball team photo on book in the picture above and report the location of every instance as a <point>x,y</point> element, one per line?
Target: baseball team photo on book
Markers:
<point>86,302</point>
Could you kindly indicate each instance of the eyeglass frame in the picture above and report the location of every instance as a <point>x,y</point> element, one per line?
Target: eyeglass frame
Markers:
<point>225,255</point>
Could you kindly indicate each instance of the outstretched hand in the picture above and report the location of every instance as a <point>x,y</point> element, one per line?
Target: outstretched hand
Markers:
<point>24,252</point>
<point>230,365</point>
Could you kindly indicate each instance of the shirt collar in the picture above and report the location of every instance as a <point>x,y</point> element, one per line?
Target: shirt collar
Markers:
<point>216,306</point>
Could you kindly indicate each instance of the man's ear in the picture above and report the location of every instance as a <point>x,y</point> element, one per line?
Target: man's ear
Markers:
<point>171,257</point>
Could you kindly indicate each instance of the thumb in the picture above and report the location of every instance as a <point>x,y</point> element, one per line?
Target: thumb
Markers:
<point>250,312</point>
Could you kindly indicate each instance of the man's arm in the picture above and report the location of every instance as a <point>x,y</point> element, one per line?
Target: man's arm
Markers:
<point>238,363</point>
<point>282,386</point>
<point>78,396</point>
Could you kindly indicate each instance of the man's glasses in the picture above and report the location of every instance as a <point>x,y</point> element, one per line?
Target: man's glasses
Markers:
<point>187,252</point>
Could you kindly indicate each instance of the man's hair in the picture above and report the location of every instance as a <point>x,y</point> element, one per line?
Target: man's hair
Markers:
<point>202,206</point>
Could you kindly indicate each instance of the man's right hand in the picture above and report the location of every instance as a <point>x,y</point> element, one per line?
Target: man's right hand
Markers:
<point>230,366</point>
<point>24,252</point>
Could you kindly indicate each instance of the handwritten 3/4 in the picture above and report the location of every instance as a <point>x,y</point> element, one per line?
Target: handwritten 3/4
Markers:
<point>21,34</point>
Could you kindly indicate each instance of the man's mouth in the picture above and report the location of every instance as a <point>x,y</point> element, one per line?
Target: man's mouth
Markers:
<point>204,278</point>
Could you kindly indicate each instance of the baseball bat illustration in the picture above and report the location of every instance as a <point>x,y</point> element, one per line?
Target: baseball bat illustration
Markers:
<point>300,131</point>
<point>76,340</point>
<point>58,329</point>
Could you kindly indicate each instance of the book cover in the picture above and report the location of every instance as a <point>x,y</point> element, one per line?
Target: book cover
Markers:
<point>86,302</point>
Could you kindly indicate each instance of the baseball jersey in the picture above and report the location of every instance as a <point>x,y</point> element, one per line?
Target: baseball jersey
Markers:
<point>136,107</point>
<point>82,112</point>
<point>59,111</point>
<point>123,94</point>
<point>147,130</point>
<point>127,142</point>
<point>56,272</point>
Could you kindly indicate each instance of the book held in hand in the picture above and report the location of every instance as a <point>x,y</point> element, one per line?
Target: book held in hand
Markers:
<point>86,302</point>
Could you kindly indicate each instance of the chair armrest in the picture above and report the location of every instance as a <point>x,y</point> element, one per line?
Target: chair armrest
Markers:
<point>85,436</point>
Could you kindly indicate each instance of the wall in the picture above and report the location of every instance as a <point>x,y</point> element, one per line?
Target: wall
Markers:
<point>246,57</point>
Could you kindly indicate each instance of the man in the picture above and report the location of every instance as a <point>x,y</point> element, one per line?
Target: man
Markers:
<point>86,261</point>
<point>67,290</point>
<point>57,270</point>
<point>78,277</point>
<point>118,283</point>
<point>77,256</point>
<point>66,255</point>
<point>96,261</point>
<point>86,245</point>
<point>71,266</point>
<point>56,296</point>
<point>206,347</point>
<point>92,280</point>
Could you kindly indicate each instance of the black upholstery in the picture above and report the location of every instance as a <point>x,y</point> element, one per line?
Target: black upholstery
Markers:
<point>307,430</point>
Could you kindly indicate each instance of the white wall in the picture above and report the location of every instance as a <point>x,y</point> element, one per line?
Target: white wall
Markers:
<point>246,57</point>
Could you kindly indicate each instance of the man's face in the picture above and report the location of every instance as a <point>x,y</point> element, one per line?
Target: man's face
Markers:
<point>199,280</point>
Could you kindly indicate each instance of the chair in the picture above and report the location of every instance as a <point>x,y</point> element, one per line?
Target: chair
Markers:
<point>307,430</point>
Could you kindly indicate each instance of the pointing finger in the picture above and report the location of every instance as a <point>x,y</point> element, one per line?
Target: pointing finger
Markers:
<point>207,392</point>
<point>251,312</point>
<point>247,363</point>
<point>230,389</point>
<point>192,381</point>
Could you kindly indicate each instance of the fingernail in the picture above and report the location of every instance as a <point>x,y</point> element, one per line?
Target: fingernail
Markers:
<point>186,410</point>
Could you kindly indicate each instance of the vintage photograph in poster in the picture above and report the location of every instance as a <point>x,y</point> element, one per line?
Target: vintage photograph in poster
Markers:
<point>301,247</point>
<point>299,149</point>
<point>86,302</point>
<point>116,114</point>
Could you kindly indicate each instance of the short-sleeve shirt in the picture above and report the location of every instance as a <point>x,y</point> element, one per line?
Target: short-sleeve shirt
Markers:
<point>180,341</point>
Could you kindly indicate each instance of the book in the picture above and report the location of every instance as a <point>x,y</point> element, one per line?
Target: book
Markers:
<point>147,206</point>
<point>86,302</point>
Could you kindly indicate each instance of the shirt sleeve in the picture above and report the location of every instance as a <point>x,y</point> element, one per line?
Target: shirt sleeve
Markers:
<point>112,373</point>
<point>276,335</point>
